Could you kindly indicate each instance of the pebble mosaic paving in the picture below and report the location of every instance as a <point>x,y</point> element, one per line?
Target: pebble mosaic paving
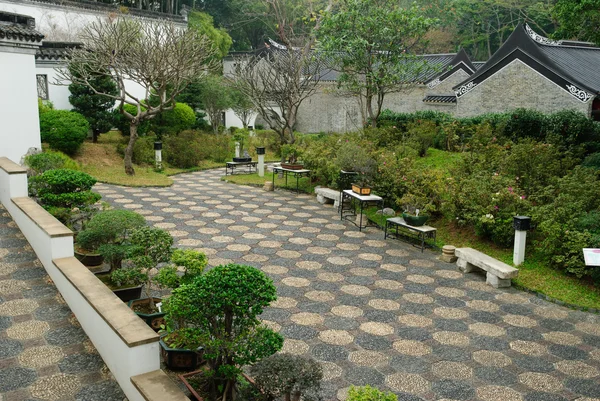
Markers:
<point>44,353</point>
<point>378,312</point>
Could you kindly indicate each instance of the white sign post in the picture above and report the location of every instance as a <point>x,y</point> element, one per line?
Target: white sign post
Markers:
<point>591,256</point>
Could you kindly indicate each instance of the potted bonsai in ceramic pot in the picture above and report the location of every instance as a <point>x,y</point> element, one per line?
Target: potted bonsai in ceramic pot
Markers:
<point>289,155</point>
<point>218,311</point>
<point>417,209</point>
<point>240,136</point>
<point>186,264</point>
<point>357,166</point>
<point>149,247</point>
<point>107,234</point>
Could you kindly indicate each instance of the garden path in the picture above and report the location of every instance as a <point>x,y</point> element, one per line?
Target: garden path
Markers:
<point>44,353</point>
<point>379,312</point>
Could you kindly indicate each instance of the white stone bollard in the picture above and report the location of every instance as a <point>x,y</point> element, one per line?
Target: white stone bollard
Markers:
<point>521,225</point>
<point>158,155</point>
<point>261,165</point>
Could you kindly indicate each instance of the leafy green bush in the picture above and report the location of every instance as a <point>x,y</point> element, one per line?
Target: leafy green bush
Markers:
<point>592,161</point>
<point>573,131</point>
<point>368,393</point>
<point>193,263</point>
<point>143,150</point>
<point>49,160</point>
<point>525,123</point>
<point>287,376</point>
<point>388,118</point>
<point>185,149</point>
<point>220,147</point>
<point>122,123</point>
<point>220,310</point>
<point>63,130</point>
<point>169,122</point>
<point>564,225</point>
<point>319,156</point>
<point>44,106</point>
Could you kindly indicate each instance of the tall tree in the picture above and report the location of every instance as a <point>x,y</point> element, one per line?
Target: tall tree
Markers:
<point>97,109</point>
<point>215,96</point>
<point>157,56</point>
<point>284,74</point>
<point>203,24</point>
<point>370,42</point>
<point>578,19</point>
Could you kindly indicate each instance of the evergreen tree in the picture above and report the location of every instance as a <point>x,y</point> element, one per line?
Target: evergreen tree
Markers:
<point>94,107</point>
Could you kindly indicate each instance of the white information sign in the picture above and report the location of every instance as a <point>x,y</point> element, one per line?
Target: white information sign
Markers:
<point>591,256</point>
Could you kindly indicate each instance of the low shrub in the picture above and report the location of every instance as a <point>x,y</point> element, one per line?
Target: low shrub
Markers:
<point>49,160</point>
<point>289,377</point>
<point>185,150</point>
<point>592,161</point>
<point>220,147</point>
<point>368,393</point>
<point>63,130</point>
<point>143,150</point>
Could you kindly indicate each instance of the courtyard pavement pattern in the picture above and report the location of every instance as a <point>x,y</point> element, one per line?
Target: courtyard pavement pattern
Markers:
<point>378,312</point>
<point>44,353</point>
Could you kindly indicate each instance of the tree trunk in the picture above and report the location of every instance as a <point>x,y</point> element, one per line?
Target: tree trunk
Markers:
<point>133,127</point>
<point>95,134</point>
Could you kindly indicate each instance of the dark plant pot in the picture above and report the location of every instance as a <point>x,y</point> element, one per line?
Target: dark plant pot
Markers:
<point>179,358</point>
<point>361,190</point>
<point>242,159</point>
<point>89,259</point>
<point>292,166</point>
<point>415,221</point>
<point>184,379</point>
<point>154,320</point>
<point>129,294</point>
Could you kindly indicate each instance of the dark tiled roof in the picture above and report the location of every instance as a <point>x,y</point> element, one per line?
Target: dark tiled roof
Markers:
<point>581,63</point>
<point>566,63</point>
<point>440,99</point>
<point>55,50</point>
<point>18,27</point>
<point>478,64</point>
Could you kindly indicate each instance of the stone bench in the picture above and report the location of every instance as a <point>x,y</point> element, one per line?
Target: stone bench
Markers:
<point>498,273</point>
<point>328,195</point>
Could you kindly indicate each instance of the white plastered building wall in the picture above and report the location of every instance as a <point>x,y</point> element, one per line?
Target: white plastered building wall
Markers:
<point>20,129</point>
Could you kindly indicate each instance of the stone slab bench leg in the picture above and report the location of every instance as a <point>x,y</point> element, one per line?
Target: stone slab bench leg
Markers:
<point>497,282</point>
<point>465,266</point>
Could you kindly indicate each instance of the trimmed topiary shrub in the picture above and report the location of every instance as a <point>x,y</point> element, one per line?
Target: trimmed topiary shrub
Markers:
<point>66,194</point>
<point>169,122</point>
<point>63,130</point>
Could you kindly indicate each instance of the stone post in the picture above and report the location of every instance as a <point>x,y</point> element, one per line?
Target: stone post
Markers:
<point>158,155</point>
<point>521,225</point>
<point>261,161</point>
<point>448,254</point>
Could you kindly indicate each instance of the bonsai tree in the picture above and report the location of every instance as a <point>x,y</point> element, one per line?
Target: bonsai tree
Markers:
<point>108,232</point>
<point>219,310</point>
<point>351,157</point>
<point>192,262</point>
<point>66,194</point>
<point>291,153</point>
<point>292,377</point>
<point>148,248</point>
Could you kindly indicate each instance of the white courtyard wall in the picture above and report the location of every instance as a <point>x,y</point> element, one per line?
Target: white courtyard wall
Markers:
<point>57,22</point>
<point>20,128</point>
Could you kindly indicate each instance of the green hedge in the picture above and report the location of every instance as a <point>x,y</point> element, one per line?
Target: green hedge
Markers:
<point>63,130</point>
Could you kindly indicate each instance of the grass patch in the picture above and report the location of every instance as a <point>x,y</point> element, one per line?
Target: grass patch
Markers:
<point>304,183</point>
<point>101,161</point>
<point>439,160</point>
